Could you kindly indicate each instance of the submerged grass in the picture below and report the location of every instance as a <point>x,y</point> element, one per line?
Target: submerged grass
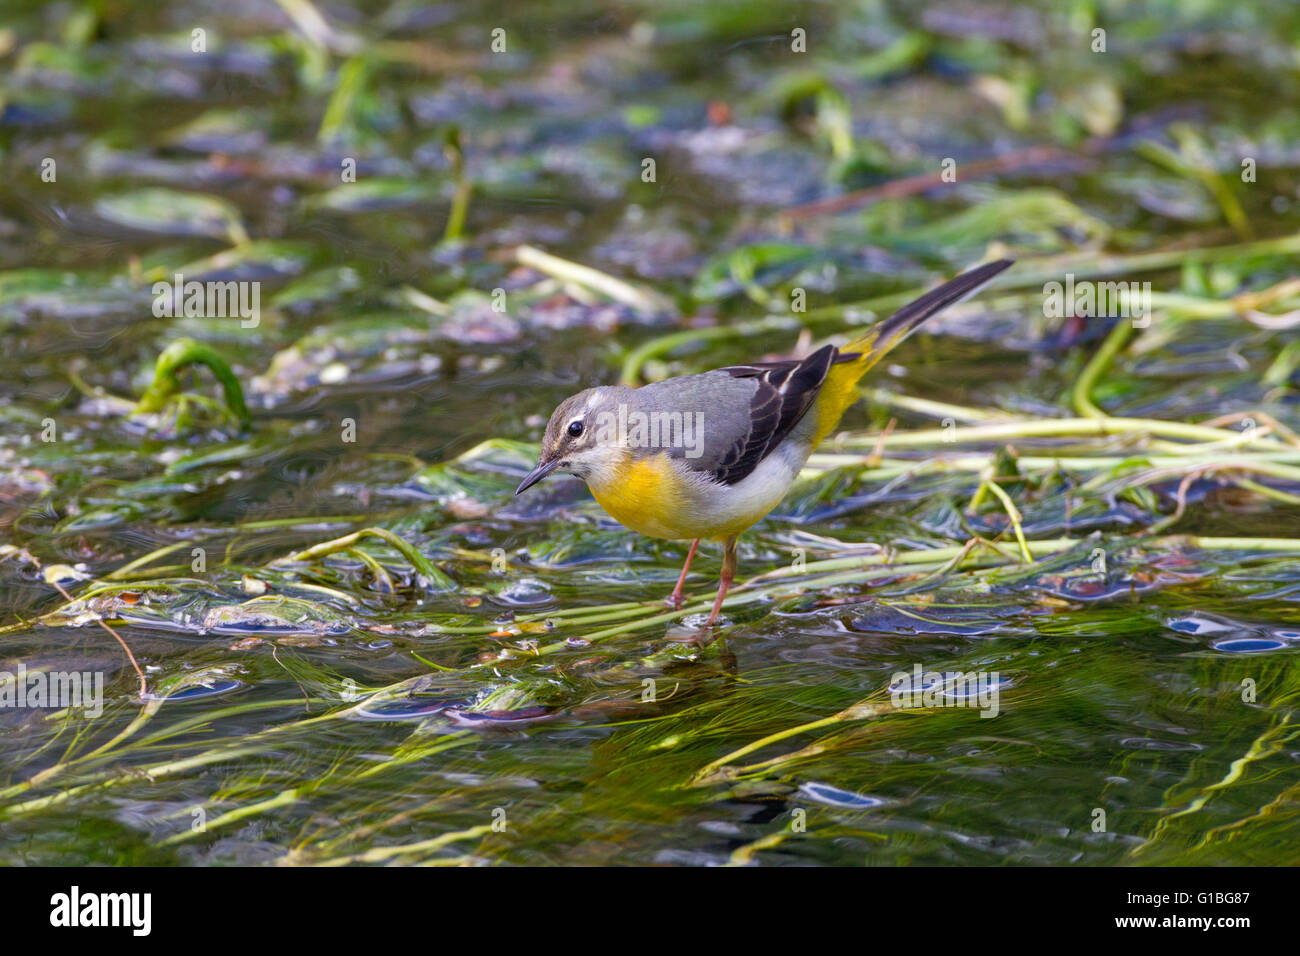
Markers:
<point>356,647</point>
<point>512,682</point>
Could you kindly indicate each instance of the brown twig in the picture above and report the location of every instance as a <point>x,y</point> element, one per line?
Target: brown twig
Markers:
<point>914,185</point>
<point>144,686</point>
<point>877,453</point>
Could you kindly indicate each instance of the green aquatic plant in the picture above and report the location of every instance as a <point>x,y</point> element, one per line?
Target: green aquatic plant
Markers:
<point>357,647</point>
<point>166,388</point>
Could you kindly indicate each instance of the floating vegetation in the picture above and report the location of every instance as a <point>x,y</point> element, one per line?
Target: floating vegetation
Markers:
<point>166,387</point>
<point>1050,565</point>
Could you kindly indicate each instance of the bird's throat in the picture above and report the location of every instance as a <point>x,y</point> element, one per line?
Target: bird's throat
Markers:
<point>643,494</point>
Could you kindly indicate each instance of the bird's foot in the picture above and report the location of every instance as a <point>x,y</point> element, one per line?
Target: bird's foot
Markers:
<point>702,622</point>
<point>675,601</point>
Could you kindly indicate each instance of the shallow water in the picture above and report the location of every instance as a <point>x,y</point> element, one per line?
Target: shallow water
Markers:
<point>509,708</point>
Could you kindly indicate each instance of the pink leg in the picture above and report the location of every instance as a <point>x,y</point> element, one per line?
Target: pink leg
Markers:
<point>728,575</point>
<point>675,599</point>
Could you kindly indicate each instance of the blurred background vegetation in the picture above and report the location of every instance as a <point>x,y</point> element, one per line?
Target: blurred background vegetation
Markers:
<point>359,650</point>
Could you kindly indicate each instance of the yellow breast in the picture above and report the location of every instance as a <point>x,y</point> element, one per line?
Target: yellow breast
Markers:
<point>656,498</point>
<point>647,496</point>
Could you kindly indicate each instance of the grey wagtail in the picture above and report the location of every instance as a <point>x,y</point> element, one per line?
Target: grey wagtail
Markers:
<point>706,456</point>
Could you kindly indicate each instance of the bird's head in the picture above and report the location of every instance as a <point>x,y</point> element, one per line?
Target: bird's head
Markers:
<point>582,437</point>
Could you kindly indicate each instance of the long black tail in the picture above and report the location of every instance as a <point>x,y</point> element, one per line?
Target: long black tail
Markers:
<point>883,336</point>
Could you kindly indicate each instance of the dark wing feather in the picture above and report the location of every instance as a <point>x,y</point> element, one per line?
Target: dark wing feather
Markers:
<point>785,391</point>
<point>779,394</point>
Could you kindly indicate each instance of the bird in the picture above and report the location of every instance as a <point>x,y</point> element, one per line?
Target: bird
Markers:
<point>705,456</point>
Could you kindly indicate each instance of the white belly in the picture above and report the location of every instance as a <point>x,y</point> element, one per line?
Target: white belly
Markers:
<point>720,511</point>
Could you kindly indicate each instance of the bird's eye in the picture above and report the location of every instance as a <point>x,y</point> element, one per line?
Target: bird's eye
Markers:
<point>575,429</point>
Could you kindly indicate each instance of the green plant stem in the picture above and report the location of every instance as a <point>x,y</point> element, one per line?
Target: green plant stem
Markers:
<point>464,188</point>
<point>639,298</point>
<point>1100,426</point>
<point>1013,513</point>
<point>632,364</point>
<point>422,564</point>
<point>888,468</point>
<point>1101,360</point>
<point>381,853</point>
<point>1025,276</point>
<point>179,355</point>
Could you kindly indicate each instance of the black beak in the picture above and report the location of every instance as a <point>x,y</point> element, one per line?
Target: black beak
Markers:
<point>537,474</point>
